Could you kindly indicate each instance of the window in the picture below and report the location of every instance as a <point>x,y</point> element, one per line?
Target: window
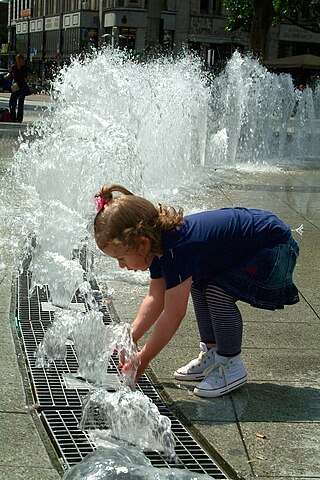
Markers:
<point>204,6</point>
<point>89,38</point>
<point>216,7</point>
<point>287,49</point>
<point>133,3</point>
<point>67,6</point>
<point>127,38</point>
<point>50,7</point>
<point>109,3</point>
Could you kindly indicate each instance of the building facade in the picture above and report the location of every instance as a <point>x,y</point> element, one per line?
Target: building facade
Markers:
<point>200,24</point>
<point>48,32</point>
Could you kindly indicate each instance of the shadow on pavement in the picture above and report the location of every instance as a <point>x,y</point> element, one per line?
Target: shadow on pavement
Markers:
<point>254,402</point>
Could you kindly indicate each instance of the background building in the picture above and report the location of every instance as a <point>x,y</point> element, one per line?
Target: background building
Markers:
<point>48,32</point>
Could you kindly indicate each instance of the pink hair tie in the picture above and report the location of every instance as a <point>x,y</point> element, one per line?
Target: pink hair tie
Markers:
<point>100,202</point>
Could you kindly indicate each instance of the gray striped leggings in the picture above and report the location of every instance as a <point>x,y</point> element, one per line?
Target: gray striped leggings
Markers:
<point>219,319</point>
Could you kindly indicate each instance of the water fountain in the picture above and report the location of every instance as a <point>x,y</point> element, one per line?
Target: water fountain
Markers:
<point>118,120</point>
<point>158,128</point>
<point>265,119</point>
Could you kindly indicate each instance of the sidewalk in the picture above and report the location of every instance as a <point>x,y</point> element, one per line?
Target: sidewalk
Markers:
<point>33,106</point>
<point>32,99</point>
<point>281,351</point>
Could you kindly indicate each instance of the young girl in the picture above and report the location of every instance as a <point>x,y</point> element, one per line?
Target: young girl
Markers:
<point>218,256</point>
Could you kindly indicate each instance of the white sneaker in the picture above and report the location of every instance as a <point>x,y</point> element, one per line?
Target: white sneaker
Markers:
<point>198,368</point>
<point>225,376</point>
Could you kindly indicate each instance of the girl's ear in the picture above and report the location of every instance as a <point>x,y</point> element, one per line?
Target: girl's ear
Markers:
<point>144,245</point>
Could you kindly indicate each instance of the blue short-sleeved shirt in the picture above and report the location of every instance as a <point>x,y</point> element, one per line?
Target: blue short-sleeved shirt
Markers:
<point>209,243</point>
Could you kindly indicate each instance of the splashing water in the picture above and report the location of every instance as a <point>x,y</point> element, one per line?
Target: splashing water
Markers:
<point>94,344</point>
<point>261,117</point>
<point>126,463</point>
<point>113,120</point>
<point>129,416</point>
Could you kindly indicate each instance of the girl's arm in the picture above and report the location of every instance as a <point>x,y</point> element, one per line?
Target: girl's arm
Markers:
<point>176,302</point>
<point>150,309</point>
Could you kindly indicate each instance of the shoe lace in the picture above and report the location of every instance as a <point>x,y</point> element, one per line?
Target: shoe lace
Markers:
<point>215,371</point>
<point>201,357</point>
<point>203,353</point>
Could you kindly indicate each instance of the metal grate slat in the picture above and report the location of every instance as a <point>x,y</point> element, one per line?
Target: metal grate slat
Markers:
<point>60,407</point>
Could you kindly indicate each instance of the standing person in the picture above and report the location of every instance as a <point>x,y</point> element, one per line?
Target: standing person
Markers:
<point>219,257</point>
<point>19,88</point>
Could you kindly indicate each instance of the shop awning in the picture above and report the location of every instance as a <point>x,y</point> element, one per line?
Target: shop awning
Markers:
<point>306,61</point>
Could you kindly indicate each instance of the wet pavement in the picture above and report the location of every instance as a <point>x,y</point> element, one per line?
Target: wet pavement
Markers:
<point>267,429</point>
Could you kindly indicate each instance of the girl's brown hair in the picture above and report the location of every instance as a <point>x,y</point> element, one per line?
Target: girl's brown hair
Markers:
<point>125,217</point>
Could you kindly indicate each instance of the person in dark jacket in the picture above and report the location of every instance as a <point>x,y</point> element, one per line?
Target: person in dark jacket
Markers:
<point>19,88</point>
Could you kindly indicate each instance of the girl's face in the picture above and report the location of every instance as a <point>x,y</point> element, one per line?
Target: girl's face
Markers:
<point>138,259</point>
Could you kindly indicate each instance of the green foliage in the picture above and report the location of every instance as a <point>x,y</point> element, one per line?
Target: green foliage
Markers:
<point>291,8</point>
<point>241,13</point>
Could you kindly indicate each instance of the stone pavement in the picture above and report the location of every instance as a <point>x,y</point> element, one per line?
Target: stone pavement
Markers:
<point>281,351</point>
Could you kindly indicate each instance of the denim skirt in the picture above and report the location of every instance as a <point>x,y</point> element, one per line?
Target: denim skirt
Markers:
<point>264,281</point>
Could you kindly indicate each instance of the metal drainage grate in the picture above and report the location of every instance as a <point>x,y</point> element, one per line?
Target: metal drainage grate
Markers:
<point>75,444</point>
<point>60,407</point>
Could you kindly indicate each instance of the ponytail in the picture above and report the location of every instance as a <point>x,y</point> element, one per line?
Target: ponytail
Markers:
<point>106,190</point>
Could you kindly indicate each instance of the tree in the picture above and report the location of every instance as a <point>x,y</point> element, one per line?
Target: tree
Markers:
<point>257,16</point>
<point>262,17</point>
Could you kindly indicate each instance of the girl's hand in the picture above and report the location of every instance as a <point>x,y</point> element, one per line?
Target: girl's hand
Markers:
<point>138,364</point>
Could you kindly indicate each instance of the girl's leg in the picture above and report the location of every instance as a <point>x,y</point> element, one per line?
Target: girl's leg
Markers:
<point>228,372</point>
<point>196,368</point>
<point>203,317</point>
<point>226,320</point>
